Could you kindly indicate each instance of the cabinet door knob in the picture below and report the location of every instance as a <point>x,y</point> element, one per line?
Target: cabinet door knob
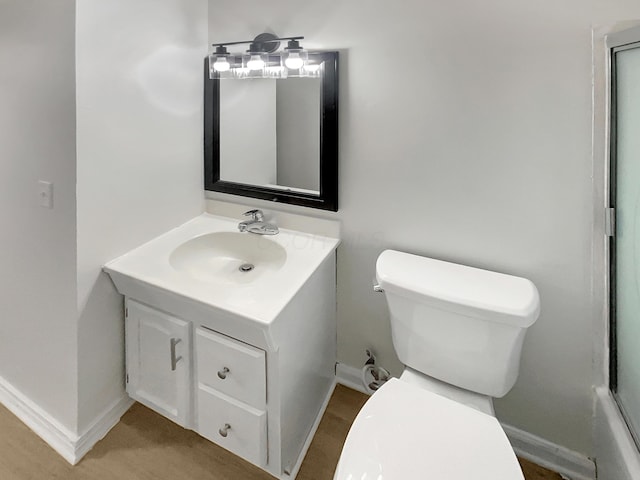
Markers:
<point>222,374</point>
<point>224,431</point>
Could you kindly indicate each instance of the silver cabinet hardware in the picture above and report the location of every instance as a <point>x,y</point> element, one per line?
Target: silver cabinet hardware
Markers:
<point>222,374</point>
<point>174,360</point>
<point>224,431</point>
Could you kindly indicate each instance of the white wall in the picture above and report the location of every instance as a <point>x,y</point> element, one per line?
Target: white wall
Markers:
<point>139,112</point>
<point>38,350</point>
<point>138,173</point>
<point>475,149</point>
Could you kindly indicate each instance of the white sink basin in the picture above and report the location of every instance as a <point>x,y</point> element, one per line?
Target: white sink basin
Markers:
<point>228,257</point>
<point>198,265</point>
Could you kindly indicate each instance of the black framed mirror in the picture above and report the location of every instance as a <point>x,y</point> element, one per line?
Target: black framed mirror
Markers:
<point>274,139</point>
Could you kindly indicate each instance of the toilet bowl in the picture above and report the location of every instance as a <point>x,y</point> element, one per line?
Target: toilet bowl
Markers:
<point>406,432</point>
<point>459,331</point>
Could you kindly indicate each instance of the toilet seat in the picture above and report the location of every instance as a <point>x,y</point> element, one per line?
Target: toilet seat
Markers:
<point>404,432</point>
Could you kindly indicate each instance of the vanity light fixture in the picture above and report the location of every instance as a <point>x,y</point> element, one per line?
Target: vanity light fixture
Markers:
<point>260,60</point>
<point>254,61</point>
<point>222,64</point>
<point>295,57</point>
<point>221,59</point>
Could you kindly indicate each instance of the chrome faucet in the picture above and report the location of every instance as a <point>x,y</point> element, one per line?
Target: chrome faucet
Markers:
<point>257,224</point>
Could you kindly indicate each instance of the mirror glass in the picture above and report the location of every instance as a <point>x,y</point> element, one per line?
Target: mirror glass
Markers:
<point>279,124</point>
<point>275,139</point>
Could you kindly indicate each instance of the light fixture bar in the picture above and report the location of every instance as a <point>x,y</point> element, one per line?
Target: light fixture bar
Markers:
<point>257,61</point>
<point>254,41</point>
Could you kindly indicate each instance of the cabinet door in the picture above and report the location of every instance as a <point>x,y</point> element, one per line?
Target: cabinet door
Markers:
<point>158,361</point>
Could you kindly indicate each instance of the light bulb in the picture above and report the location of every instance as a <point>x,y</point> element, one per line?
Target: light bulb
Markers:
<point>293,61</point>
<point>255,63</point>
<point>221,65</point>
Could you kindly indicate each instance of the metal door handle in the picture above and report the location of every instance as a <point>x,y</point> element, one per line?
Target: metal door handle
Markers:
<point>174,360</point>
<point>224,431</point>
<point>222,374</point>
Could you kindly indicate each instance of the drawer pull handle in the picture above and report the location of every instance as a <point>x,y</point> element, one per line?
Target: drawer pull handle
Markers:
<point>222,374</point>
<point>174,359</point>
<point>224,431</point>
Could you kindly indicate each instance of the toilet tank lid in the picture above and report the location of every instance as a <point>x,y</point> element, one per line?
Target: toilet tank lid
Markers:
<point>459,288</point>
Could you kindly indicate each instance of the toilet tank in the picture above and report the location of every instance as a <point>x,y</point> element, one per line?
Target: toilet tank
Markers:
<point>462,325</point>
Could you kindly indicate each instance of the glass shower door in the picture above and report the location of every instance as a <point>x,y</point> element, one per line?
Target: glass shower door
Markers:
<point>625,149</point>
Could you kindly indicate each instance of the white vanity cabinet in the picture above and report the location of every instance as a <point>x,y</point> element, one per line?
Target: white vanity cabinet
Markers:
<point>258,391</point>
<point>158,358</point>
<point>224,398</point>
<point>246,358</point>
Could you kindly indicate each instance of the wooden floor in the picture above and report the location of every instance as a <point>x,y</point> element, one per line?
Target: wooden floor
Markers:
<point>146,446</point>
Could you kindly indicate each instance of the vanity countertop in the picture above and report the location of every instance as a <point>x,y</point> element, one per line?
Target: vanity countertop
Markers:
<point>291,257</point>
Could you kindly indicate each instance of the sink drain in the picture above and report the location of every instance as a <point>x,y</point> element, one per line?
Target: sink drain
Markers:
<point>246,267</point>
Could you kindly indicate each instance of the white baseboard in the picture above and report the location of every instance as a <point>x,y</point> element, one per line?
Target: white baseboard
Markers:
<point>349,377</point>
<point>61,439</point>
<point>70,446</point>
<point>567,463</point>
<point>103,424</point>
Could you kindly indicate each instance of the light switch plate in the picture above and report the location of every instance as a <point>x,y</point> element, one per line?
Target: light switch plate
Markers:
<point>45,194</point>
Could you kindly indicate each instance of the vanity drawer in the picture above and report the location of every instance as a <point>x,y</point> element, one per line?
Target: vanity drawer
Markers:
<point>231,367</point>
<point>233,425</point>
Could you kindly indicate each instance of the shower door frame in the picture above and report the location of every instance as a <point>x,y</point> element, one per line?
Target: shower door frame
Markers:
<point>616,43</point>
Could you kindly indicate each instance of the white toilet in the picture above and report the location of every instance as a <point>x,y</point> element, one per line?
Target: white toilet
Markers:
<point>459,331</point>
